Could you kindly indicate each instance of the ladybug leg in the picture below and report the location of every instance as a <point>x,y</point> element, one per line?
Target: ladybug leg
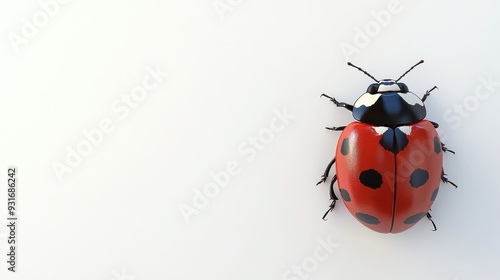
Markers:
<point>336,128</point>
<point>445,180</point>
<point>333,197</point>
<point>327,171</point>
<point>430,219</point>
<point>427,93</point>
<point>339,104</point>
<point>445,149</point>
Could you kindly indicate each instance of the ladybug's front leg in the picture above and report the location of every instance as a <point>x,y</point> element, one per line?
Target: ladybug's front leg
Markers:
<point>339,104</point>
<point>427,93</point>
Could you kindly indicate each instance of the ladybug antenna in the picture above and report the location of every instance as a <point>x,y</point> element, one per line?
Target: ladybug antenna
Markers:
<point>420,62</point>
<point>359,68</point>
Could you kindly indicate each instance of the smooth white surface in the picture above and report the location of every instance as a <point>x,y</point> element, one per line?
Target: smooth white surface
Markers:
<point>116,215</point>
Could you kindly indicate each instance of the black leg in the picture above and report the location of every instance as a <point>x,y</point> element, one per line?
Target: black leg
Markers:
<point>430,219</point>
<point>428,93</point>
<point>339,104</point>
<point>446,149</point>
<point>327,171</point>
<point>445,180</point>
<point>443,147</point>
<point>333,197</point>
<point>336,128</point>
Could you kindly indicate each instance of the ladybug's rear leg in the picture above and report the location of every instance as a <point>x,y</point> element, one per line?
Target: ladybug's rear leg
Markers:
<point>430,219</point>
<point>339,104</point>
<point>333,197</point>
<point>445,180</point>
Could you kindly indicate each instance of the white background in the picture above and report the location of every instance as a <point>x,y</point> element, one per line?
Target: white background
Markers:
<point>116,215</point>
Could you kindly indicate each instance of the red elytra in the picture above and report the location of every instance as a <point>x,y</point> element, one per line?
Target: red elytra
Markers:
<point>389,162</point>
<point>388,192</point>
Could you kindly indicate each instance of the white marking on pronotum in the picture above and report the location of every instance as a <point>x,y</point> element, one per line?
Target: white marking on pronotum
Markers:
<point>367,99</point>
<point>405,129</point>
<point>411,98</point>
<point>386,88</point>
<point>380,129</point>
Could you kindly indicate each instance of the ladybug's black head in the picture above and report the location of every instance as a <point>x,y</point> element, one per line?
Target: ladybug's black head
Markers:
<point>388,103</point>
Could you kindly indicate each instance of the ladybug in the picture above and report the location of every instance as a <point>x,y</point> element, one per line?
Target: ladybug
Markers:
<point>389,163</point>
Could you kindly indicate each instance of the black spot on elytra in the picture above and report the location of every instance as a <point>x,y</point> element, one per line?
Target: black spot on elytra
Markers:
<point>415,218</point>
<point>437,145</point>
<point>371,178</point>
<point>369,219</point>
<point>394,140</point>
<point>344,149</point>
<point>418,178</point>
<point>345,195</point>
<point>434,194</point>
